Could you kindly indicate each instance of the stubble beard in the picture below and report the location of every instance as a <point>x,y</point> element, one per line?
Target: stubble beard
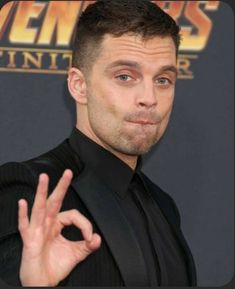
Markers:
<point>136,145</point>
<point>127,143</point>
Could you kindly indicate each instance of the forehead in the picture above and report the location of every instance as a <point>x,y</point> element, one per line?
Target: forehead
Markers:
<point>132,47</point>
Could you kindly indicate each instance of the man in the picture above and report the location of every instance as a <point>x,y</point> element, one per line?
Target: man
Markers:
<point>104,222</point>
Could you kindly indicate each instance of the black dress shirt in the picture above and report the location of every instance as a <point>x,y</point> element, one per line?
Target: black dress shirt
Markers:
<point>163,256</point>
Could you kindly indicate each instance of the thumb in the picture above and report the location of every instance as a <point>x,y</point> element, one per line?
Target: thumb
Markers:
<point>85,248</point>
<point>94,243</point>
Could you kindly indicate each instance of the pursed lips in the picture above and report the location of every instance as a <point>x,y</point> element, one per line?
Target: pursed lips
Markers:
<point>144,118</point>
<point>143,122</point>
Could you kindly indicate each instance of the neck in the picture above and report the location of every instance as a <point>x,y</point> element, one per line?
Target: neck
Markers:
<point>129,160</point>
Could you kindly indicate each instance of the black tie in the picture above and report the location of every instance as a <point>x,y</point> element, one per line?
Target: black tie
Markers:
<point>153,234</point>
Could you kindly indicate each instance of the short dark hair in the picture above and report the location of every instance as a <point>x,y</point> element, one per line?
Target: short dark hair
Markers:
<point>118,17</point>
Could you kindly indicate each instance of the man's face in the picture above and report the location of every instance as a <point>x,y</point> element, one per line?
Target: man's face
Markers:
<point>130,92</point>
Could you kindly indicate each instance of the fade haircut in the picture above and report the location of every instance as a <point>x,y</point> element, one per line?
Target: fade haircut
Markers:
<point>118,17</point>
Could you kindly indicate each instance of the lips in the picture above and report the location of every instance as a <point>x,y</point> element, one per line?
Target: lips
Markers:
<point>144,118</point>
<point>143,121</point>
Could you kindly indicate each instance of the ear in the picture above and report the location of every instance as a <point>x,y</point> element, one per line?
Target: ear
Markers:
<point>77,85</point>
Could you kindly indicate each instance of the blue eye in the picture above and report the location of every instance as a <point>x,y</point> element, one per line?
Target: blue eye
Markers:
<point>124,77</point>
<point>164,81</point>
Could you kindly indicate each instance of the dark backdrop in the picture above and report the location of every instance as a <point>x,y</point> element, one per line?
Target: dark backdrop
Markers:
<point>193,162</point>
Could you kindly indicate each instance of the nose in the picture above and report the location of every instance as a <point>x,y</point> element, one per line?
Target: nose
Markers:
<point>147,95</point>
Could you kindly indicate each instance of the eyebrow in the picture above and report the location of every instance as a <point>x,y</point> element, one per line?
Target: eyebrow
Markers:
<point>136,65</point>
<point>130,63</point>
<point>171,68</point>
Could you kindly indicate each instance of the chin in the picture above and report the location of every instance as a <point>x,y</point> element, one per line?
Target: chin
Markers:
<point>137,148</point>
<point>136,151</point>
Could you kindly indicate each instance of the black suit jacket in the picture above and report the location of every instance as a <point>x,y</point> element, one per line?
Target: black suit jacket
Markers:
<point>119,261</point>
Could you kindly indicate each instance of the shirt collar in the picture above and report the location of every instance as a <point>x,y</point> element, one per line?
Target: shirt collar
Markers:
<point>113,171</point>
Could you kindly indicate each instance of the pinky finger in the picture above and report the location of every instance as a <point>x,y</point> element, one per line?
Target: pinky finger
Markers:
<point>23,220</point>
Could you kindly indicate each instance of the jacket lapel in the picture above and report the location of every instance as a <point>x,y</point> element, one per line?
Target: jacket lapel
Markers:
<point>174,222</point>
<point>114,226</point>
<point>184,246</point>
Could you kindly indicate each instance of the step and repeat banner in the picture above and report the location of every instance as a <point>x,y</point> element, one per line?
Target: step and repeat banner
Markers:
<point>194,160</point>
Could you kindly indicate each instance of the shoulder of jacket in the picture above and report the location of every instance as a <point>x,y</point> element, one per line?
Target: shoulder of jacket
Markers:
<point>55,161</point>
<point>13,172</point>
<point>19,180</point>
<point>16,182</point>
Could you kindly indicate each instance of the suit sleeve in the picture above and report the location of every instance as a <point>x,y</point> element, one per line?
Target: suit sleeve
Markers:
<point>16,182</point>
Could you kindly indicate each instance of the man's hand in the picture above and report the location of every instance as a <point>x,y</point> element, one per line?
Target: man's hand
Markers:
<point>48,257</point>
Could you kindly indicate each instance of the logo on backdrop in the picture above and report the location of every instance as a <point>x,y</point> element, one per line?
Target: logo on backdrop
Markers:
<point>35,36</point>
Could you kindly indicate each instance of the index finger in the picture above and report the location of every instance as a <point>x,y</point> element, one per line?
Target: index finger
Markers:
<point>55,200</point>
<point>39,205</point>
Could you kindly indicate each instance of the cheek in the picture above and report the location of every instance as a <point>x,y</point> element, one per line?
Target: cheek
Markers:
<point>165,105</point>
<point>165,109</point>
<point>103,111</point>
<point>166,117</point>
<point>164,122</point>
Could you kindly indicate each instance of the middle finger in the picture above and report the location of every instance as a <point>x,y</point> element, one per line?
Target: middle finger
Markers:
<point>55,200</point>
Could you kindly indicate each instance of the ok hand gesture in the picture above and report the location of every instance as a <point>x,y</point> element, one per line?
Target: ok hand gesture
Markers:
<point>47,257</point>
